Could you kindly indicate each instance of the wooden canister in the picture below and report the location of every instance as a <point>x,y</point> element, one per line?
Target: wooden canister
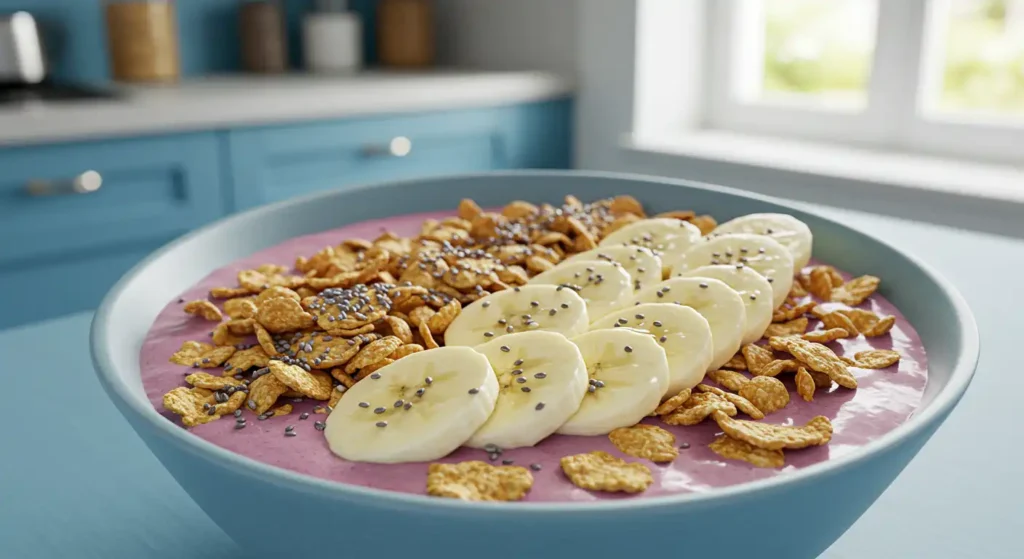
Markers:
<point>263,35</point>
<point>142,37</point>
<point>405,33</point>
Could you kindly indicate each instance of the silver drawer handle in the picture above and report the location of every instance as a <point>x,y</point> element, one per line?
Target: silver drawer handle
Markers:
<point>89,181</point>
<point>399,146</point>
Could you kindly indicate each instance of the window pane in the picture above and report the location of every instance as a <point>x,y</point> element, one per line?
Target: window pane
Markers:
<point>981,57</point>
<point>817,51</point>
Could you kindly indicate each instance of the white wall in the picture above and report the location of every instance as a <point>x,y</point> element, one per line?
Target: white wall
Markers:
<point>508,34</point>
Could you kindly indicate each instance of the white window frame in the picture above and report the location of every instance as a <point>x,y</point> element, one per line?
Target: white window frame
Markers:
<point>893,118</point>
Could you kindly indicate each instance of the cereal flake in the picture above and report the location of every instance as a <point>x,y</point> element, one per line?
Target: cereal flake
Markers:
<point>645,441</point>
<point>478,481</point>
<point>735,449</point>
<point>600,471</point>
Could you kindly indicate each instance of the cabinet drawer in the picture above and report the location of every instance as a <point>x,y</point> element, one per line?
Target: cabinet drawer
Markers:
<point>61,286</point>
<point>148,188</point>
<point>271,164</point>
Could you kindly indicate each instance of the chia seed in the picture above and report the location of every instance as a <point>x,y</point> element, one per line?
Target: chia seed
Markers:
<point>305,415</point>
<point>535,467</point>
<point>474,390</point>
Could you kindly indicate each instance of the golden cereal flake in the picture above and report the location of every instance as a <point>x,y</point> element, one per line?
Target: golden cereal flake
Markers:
<point>264,392</point>
<point>744,405</point>
<point>198,354</point>
<point>626,204</point>
<point>222,335</point>
<point>697,408</point>
<point>188,403</point>
<point>821,380</point>
<point>817,432</point>
<point>265,340</point>
<point>876,358</point>
<point>826,336</point>
<point>735,449</point>
<point>600,471</point>
<point>619,223</point>
<point>276,292</point>
<point>229,292</point>
<point>787,314</point>
<point>537,265</point>
<point>399,328</point>
<point>428,338</point>
<point>868,323</point>
<point>283,409</point>
<point>326,351</point>
<point>880,328</point>
<point>266,276</point>
<point>336,395</point>
<point>240,307</point>
<point>342,377</point>
<point>373,367</point>
<point>797,291</point>
<point>234,402</point>
<point>645,441</point>
<point>469,209</point>
<point>836,319</point>
<point>730,380</point>
<point>817,357</point>
<point>712,389</point>
<point>778,366</point>
<point>245,359</point>
<point>793,327</point>
<point>519,210</point>
<point>210,382</point>
<point>673,403</point>
<point>205,309</point>
<point>736,363</point>
<point>405,351</point>
<point>283,314</point>
<point>768,394</point>
<point>705,223</point>
<point>315,385</point>
<point>757,357</point>
<point>682,215</point>
<point>805,384</point>
<point>819,282</point>
<point>241,326</point>
<point>855,291</point>
<point>444,316</point>
<point>372,353</point>
<point>478,481</point>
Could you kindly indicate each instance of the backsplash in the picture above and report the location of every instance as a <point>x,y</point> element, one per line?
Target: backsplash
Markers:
<point>75,33</point>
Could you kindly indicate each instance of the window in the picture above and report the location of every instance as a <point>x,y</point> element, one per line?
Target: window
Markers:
<point>930,76</point>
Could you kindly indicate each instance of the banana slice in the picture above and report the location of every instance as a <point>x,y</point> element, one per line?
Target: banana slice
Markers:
<point>419,408</point>
<point>754,290</point>
<point>681,331</point>
<point>718,303</point>
<point>628,377</point>
<point>789,231</point>
<point>604,286</point>
<point>520,309</point>
<point>660,234</point>
<point>643,267</point>
<point>541,378</point>
<point>764,254</point>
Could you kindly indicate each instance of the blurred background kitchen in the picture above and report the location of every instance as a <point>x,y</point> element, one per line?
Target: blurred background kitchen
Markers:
<point>127,123</point>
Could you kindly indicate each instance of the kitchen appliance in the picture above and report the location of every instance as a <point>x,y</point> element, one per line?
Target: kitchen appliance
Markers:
<point>22,60</point>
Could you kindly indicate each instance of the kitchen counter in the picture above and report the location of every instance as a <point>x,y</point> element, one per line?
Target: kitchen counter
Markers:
<point>248,100</point>
<point>76,481</point>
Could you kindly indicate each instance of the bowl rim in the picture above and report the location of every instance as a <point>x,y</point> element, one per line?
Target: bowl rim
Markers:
<point>960,377</point>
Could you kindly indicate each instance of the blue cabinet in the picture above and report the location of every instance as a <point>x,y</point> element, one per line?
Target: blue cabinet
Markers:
<point>275,163</point>
<point>63,243</point>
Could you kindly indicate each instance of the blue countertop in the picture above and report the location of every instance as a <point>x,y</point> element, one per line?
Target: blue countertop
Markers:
<point>75,480</point>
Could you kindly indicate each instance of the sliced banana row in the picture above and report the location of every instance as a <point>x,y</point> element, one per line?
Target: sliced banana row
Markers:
<point>589,346</point>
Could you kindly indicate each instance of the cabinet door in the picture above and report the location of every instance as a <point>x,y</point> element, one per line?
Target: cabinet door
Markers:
<point>74,217</point>
<point>272,164</point>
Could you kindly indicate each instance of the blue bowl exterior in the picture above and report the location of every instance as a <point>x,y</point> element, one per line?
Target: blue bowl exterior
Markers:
<point>281,512</point>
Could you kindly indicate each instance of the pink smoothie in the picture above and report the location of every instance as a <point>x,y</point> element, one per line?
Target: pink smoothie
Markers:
<point>885,399</point>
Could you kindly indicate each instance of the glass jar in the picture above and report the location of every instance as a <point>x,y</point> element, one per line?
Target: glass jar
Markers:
<point>142,39</point>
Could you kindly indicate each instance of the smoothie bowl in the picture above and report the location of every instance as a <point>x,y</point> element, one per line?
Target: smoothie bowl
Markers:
<point>533,365</point>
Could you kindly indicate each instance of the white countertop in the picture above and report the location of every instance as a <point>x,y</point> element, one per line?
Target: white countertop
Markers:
<point>249,100</point>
